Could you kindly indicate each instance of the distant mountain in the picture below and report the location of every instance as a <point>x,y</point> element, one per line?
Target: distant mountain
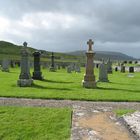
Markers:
<point>105,55</point>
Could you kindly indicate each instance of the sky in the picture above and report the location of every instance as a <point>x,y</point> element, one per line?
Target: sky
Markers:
<point>67,25</point>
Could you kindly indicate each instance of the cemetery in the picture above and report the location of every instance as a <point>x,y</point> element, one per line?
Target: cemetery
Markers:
<point>102,83</point>
<point>69,70</point>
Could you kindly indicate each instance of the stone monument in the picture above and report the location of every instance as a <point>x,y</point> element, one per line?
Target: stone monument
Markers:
<point>52,68</point>
<point>109,66</point>
<point>69,70</point>
<point>5,65</point>
<point>131,69</point>
<point>89,77</point>
<point>103,76</point>
<point>25,79</point>
<point>37,74</point>
<point>122,68</point>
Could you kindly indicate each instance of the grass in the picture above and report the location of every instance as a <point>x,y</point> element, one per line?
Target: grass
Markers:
<point>121,112</point>
<point>29,123</point>
<point>62,85</point>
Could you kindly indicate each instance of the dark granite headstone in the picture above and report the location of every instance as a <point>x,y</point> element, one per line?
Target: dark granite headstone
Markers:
<point>37,74</point>
<point>116,68</point>
<point>131,69</point>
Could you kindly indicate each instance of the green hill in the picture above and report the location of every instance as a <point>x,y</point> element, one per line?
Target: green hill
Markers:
<point>11,51</point>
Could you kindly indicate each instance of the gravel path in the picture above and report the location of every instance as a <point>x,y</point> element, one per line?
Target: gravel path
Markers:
<point>67,103</point>
<point>86,110</point>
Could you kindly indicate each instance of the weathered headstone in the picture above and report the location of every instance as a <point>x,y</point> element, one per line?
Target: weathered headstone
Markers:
<point>131,69</point>
<point>25,79</point>
<point>122,68</point>
<point>5,65</point>
<point>69,70</point>
<point>77,68</point>
<point>109,67</point>
<point>103,75</point>
<point>37,74</point>
<point>89,77</point>
<point>52,68</point>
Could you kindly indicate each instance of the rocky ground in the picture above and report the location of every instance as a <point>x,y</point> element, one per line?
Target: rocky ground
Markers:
<point>91,120</point>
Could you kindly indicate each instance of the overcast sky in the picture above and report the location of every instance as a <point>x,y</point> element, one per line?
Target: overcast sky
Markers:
<point>66,25</point>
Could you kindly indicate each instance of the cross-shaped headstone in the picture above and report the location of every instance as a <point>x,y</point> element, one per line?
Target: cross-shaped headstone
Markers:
<point>90,43</point>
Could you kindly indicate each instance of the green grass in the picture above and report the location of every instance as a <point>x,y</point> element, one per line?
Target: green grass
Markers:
<point>62,85</point>
<point>29,123</point>
<point>121,112</point>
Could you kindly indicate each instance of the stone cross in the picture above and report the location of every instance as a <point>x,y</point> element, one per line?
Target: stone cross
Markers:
<point>89,77</point>
<point>90,43</point>
<point>25,79</point>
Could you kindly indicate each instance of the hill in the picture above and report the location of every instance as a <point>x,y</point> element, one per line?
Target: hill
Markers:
<point>105,55</point>
<point>12,51</point>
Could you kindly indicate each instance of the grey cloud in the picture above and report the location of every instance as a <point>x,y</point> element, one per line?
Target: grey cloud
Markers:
<point>113,21</point>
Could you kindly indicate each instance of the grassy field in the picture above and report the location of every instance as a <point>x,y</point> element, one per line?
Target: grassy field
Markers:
<point>121,112</point>
<point>28,123</point>
<point>62,85</point>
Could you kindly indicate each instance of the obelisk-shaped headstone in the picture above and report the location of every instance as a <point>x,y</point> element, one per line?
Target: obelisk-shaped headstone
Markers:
<point>37,74</point>
<point>25,79</point>
<point>52,68</point>
<point>89,77</point>
<point>109,66</point>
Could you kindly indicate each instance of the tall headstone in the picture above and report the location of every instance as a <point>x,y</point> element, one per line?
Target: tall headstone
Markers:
<point>52,68</point>
<point>122,68</point>
<point>37,74</point>
<point>109,67</point>
<point>5,65</point>
<point>103,75</point>
<point>25,79</point>
<point>89,77</point>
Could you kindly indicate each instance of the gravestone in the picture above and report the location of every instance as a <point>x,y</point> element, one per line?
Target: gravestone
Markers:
<point>77,68</point>
<point>97,65</point>
<point>131,69</point>
<point>25,79</point>
<point>116,69</point>
<point>37,74</point>
<point>69,70</point>
<point>89,77</point>
<point>52,68</point>
<point>103,75</point>
<point>5,65</point>
<point>122,68</point>
<point>13,65</point>
<point>109,67</point>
